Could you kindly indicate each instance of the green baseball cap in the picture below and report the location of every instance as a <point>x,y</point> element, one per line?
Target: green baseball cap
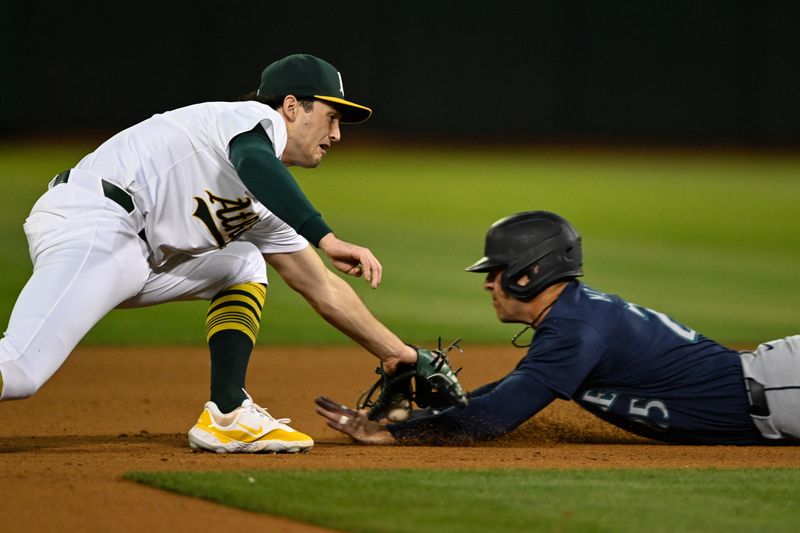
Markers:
<point>306,75</point>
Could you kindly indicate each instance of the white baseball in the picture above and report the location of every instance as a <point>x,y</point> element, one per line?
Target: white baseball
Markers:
<point>398,415</point>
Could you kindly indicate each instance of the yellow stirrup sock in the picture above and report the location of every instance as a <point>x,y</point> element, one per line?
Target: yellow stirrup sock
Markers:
<point>237,308</point>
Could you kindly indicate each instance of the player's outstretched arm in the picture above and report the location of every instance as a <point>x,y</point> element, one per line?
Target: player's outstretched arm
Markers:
<point>335,301</point>
<point>352,259</point>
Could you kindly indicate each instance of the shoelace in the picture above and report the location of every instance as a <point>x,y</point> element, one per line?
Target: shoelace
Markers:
<point>263,412</point>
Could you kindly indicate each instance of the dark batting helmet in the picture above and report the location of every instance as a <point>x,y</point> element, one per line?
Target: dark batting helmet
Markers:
<point>539,244</point>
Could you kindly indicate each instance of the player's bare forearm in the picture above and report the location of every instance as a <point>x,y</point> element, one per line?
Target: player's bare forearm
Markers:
<point>344,310</point>
<point>337,303</point>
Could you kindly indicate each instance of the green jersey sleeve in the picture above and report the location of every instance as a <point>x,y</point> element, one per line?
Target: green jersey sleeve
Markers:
<point>266,177</point>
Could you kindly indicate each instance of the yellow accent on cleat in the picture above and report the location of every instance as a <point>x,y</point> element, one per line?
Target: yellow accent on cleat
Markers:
<point>248,429</point>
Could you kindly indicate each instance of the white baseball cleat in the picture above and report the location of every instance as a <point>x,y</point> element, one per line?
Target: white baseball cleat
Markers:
<point>246,429</point>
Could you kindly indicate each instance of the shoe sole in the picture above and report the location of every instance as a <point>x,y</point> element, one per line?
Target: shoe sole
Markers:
<point>201,441</point>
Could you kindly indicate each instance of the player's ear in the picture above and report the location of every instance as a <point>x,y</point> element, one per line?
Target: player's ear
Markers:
<point>289,108</point>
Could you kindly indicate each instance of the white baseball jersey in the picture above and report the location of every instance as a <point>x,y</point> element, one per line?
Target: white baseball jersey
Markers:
<point>176,167</point>
<point>190,201</point>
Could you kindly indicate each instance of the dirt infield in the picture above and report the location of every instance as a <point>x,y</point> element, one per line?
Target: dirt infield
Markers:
<point>110,411</point>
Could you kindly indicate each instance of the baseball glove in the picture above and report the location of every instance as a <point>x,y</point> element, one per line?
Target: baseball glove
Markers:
<point>430,382</point>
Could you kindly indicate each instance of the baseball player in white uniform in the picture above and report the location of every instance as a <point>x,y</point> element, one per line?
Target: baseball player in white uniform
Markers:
<point>189,204</point>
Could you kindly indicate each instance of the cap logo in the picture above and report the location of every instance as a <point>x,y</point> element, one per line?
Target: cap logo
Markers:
<point>341,85</point>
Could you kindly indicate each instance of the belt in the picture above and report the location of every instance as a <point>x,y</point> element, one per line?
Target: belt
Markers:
<point>758,400</point>
<point>110,191</point>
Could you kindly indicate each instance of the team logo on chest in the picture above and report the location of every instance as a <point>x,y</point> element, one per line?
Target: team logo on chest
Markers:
<point>226,219</point>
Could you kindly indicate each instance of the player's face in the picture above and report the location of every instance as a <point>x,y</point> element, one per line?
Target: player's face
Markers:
<point>508,309</point>
<point>311,135</point>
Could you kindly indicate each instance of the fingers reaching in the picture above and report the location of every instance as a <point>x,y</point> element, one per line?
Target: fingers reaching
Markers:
<point>339,417</point>
<point>353,260</point>
<point>333,407</point>
<point>373,270</point>
<point>354,424</point>
<point>356,271</point>
<point>367,266</point>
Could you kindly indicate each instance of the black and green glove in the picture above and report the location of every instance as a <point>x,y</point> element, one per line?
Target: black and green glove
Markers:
<point>430,382</point>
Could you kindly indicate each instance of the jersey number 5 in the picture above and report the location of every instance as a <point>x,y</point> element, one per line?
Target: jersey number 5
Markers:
<point>653,413</point>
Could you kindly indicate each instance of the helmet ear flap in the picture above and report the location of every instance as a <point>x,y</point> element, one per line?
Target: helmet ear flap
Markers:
<point>510,281</point>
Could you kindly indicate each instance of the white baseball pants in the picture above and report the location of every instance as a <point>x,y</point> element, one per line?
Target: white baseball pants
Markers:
<point>87,260</point>
<point>775,365</point>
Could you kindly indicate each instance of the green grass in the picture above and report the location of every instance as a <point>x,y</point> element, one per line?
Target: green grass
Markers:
<point>709,238</point>
<point>507,500</point>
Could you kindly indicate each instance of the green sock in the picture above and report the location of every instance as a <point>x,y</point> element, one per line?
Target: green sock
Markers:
<point>230,354</point>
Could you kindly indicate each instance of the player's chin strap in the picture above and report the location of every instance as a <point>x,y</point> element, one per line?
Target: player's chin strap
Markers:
<point>531,325</point>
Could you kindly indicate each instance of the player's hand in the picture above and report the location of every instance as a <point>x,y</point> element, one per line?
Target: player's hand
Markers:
<point>354,424</point>
<point>351,259</point>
